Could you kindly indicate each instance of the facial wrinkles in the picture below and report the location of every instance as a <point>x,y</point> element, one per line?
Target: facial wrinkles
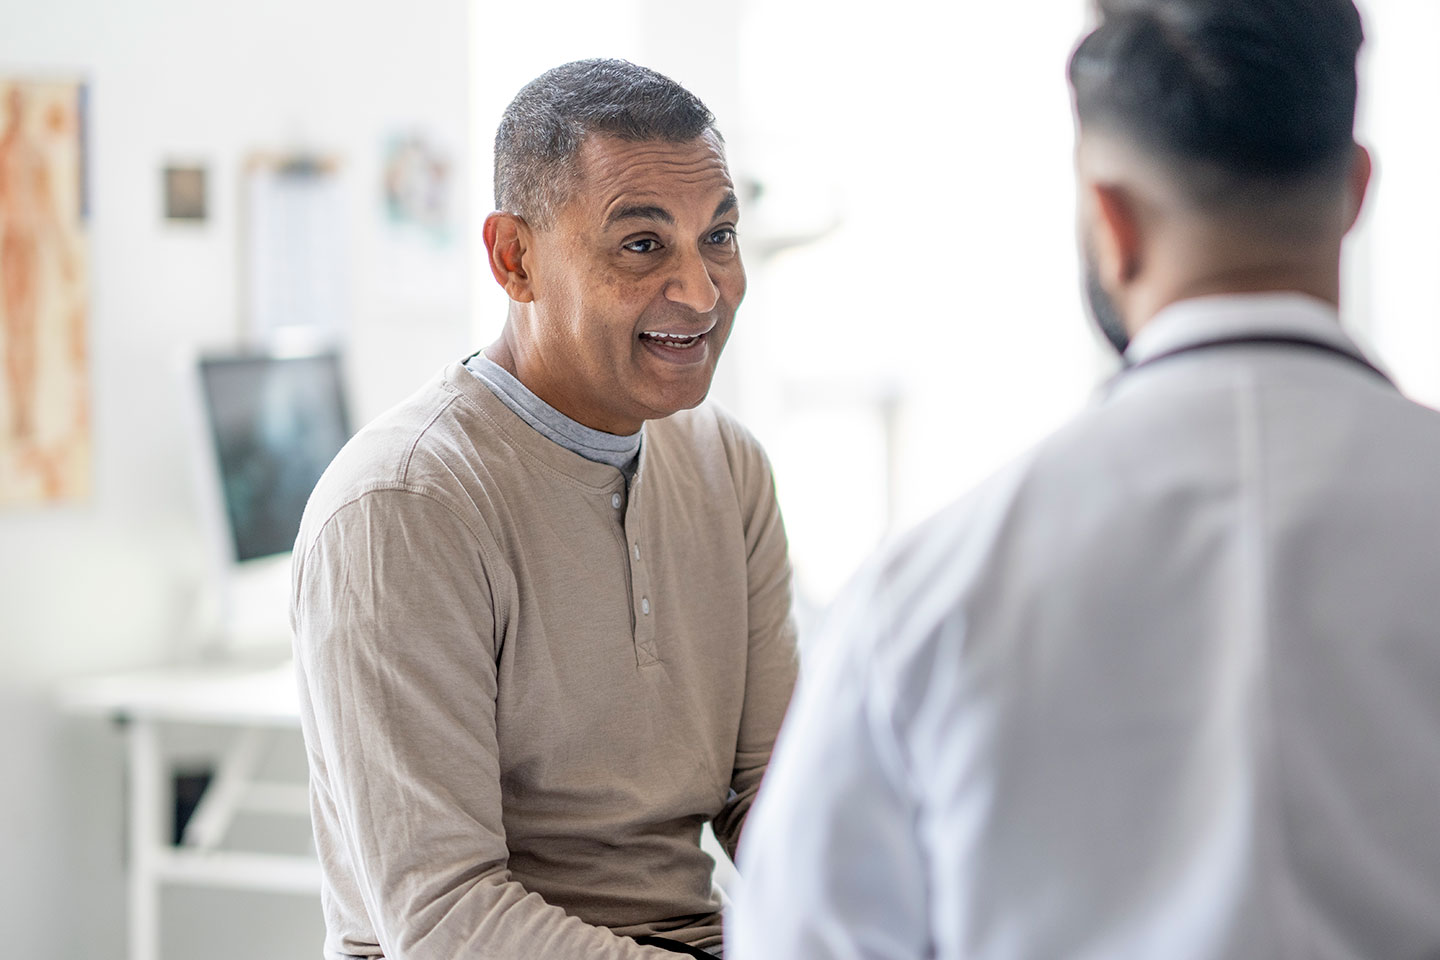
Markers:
<point>664,309</point>
<point>617,172</point>
<point>699,173</point>
<point>688,182</point>
<point>649,175</point>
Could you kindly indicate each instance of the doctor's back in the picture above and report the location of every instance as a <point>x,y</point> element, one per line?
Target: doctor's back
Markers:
<point>1181,697</point>
<point>1169,686</point>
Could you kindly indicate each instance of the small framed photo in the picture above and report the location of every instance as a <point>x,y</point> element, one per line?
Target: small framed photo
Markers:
<point>185,195</point>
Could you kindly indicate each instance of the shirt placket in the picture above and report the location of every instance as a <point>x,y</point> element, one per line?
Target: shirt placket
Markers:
<point>643,604</point>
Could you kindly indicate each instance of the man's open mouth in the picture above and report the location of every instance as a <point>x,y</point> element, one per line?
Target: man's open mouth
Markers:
<point>679,341</point>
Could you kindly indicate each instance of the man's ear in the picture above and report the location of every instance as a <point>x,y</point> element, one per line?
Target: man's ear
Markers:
<point>1360,171</point>
<point>1116,234</point>
<point>508,242</point>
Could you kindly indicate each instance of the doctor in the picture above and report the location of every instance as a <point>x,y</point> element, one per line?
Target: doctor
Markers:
<point>1170,685</point>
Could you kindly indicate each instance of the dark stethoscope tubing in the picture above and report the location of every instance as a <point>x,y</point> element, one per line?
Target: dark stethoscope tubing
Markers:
<point>1257,340</point>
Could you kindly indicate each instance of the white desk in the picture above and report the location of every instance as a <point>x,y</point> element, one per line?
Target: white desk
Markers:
<point>257,702</point>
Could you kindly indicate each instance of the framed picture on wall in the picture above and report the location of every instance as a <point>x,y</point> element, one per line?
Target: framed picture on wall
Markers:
<point>185,191</point>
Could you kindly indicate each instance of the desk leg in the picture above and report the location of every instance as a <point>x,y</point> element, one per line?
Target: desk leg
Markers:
<point>147,818</point>
<point>220,801</point>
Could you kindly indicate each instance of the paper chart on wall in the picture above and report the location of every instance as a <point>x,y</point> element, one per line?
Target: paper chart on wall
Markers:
<point>45,437</point>
<point>296,249</point>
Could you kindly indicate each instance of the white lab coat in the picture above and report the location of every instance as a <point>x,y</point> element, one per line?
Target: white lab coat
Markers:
<point>1167,688</point>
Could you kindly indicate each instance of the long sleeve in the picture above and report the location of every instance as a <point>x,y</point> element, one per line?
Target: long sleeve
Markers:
<point>771,663</point>
<point>831,866</point>
<point>396,643</point>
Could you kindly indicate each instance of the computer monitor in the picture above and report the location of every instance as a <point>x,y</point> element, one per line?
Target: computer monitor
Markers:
<point>271,424</point>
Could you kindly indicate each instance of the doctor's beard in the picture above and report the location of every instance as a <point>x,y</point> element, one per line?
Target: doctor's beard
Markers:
<point>1101,307</point>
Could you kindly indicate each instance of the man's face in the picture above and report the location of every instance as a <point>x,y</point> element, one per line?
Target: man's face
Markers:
<point>636,281</point>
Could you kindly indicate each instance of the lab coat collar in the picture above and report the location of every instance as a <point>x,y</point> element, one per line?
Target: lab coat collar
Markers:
<point>1225,316</point>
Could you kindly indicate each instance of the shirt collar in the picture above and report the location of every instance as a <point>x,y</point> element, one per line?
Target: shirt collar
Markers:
<point>617,451</point>
<point>519,435</point>
<point>1223,316</point>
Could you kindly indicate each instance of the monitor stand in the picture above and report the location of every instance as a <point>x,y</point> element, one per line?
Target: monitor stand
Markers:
<point>251,604</point>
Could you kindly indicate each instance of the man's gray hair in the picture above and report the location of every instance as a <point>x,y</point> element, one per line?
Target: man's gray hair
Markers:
<point>544,126</point>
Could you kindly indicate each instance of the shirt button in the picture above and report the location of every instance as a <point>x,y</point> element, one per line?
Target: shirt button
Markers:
<point>615,500</point>
<point>645,606</point>
<point>637,551</point>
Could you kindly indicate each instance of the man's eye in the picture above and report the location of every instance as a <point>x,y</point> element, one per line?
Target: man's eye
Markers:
<point>643,245</point>
<point>723,236</point>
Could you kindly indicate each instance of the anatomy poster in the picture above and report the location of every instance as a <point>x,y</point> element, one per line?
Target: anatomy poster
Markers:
<point>44,293</point>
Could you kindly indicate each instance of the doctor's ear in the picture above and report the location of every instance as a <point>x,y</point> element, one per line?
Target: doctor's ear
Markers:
<point>1361,169</point>
<point>508,243</point>
<point>1115,233</point>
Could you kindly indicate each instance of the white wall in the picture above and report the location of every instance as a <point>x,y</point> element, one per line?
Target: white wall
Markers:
<point>111,582</point>
<point>937,140</point>
<point>1393,278</point>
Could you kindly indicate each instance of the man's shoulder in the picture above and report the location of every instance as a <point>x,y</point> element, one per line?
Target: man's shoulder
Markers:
<point>706,427</point>
<point>395,453</point>
<point>1078,472</point>
<point>957,543</point>
<point>382,450</point>
<point>988,543</point>
<point>708,437</point>
<point>1107,484</point>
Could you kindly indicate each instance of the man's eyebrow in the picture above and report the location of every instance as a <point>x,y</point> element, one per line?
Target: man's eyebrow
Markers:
<point>640,212</point>
<point>728,204</point>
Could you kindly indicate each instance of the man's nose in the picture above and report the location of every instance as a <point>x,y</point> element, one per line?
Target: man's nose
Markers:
<point>692,285</point>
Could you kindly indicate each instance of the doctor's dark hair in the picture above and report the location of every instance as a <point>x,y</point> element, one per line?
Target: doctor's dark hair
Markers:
<point>541,131</point>
<point>1225,92</point>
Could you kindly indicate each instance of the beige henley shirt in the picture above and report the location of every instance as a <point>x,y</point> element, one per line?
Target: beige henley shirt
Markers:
<point>525,688</point>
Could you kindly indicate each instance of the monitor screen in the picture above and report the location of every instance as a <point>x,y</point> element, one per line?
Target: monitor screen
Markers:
<point>275,423</point>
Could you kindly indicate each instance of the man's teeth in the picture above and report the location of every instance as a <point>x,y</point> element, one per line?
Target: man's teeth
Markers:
<point>672,339</point>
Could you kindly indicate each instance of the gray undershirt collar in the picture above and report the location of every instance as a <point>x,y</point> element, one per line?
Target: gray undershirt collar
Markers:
<point>619,452</point>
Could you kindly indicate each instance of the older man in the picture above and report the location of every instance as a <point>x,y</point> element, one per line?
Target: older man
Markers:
<point>1169,687</point>
<point>542,616</point>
